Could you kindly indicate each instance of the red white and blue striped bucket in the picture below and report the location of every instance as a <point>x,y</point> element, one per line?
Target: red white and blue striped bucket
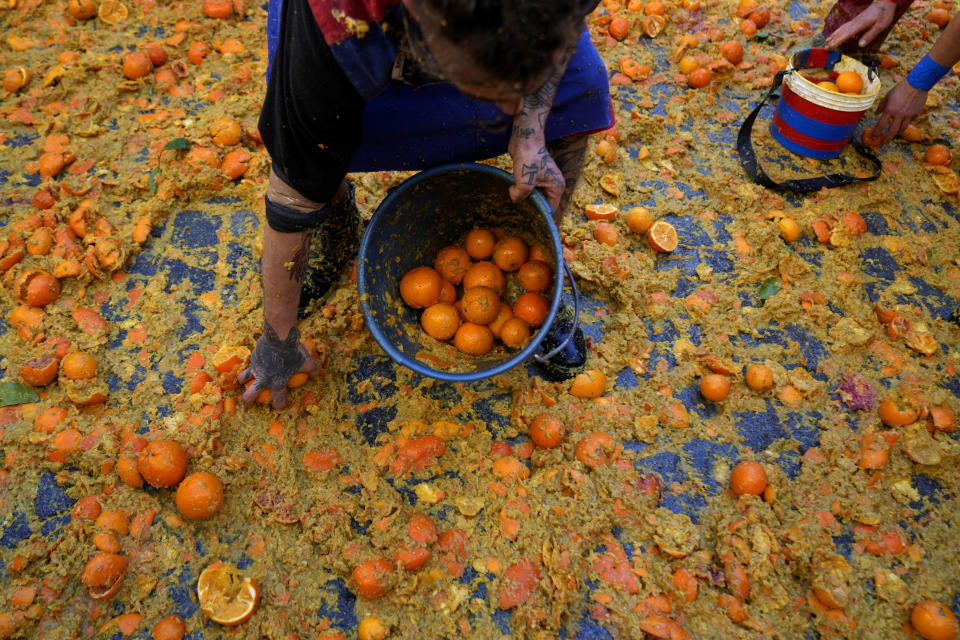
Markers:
<point>815,122</point>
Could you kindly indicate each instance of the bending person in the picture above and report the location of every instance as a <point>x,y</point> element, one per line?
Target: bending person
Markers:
<point>372,85</point>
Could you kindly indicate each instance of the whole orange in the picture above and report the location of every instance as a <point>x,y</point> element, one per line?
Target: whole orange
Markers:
<point>532,308</point>
<point>420,287</point>
<point>714,387</point>
<point>479,244</point>
<point>480,305</point>
<point>472,338</point>
<point>933,620</point>
<point>547,430</point>
<point>510,253</point>
<point>171,627</point>
<point>373,578</point>
<point>514,332</point>
<point>78,365</point>
<point>163,463</point>
<point>199,496</point>
<point>748,477</point>
<point>440,321</point>
<point>452,263</point>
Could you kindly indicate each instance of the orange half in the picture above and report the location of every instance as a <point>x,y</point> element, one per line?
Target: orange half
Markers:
<point>112,12</point>
<point>663,237</point>
<point>226,595</point>
<point>600,211</point>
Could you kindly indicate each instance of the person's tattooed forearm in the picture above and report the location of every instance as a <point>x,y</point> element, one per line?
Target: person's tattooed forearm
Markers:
<point>301,258</point>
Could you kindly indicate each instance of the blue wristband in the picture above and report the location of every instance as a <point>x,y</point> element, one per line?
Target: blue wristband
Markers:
<point>926,74</point>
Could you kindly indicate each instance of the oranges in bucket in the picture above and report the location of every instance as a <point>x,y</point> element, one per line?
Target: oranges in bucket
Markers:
<point>458,221</point>
<point>499,300</point>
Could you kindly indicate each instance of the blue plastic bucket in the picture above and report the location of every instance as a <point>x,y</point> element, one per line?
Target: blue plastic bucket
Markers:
<point>431,210</point>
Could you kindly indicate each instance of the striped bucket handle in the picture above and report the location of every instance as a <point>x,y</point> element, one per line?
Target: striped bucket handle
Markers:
<point>750,164</point>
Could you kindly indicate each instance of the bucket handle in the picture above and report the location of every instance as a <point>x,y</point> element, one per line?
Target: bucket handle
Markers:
<point>576,319</point>
<point>750,163</point>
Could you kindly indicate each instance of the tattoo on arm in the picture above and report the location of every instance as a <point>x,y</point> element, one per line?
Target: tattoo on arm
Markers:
<point>529,173</point>
<point>301,258</point>
<point>543,97</point>
<point>522,133</point>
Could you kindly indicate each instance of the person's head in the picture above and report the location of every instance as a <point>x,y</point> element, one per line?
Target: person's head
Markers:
<point>499,50</point>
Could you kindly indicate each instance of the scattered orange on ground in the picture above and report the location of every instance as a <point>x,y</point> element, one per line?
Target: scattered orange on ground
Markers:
<point>36,288</point>
<point>939,16</point>
<point>619,28</point>
<point>225,132</point>
<point>373,578</point>
<point>662,237</point>
<point>732,51</point>
<point>759,377</point>
<point>82,9</point>
<point>236,163</point>
<point>199,496</point>
<point>600,211</point>
<point>933,620</point>
<point>371,628</point>
<point>589,384</point>
<point>938,154</point>
<point>78,365</point>
<point>217,8</point>
<point>897,412</point>
<point>699,78</point>
<point>103,575</point>
<point>171,627</point>
<point>547,430</point>
<point>714,387</point>
<point>226,595</point>
<point>639,219</point>
<point>748,477</point>
<point>39,372</point>
<point>163,463</point>
<point>112,11</point>
<point>789,229</point>
<point>688,64</point>
<point>136,64</point>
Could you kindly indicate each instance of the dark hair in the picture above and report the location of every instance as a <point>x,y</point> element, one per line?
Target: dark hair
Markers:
<point>512,40</point>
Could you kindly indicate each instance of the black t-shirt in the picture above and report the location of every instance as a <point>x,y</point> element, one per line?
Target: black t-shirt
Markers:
<point>311,119</point>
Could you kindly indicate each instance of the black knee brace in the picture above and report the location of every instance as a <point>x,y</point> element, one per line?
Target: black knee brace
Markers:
<point>286,220</point>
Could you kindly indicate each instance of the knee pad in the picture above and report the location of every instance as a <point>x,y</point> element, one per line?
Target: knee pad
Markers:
<point>286,220</point>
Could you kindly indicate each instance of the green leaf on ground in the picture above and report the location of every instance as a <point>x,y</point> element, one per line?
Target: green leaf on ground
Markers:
<point>152,181</point>
<point>15,393</point>
<point>769,288</point>
<point>177,143</point>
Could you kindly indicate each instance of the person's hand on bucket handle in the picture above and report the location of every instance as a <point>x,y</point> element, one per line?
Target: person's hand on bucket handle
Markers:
<point>872,21</point>
<point>532,164</point>
<point>898,108</point>
<point>273,362</point>
<point>533,167</point>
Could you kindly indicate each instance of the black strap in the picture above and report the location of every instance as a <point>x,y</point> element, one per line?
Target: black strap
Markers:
<point>748,158</point>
